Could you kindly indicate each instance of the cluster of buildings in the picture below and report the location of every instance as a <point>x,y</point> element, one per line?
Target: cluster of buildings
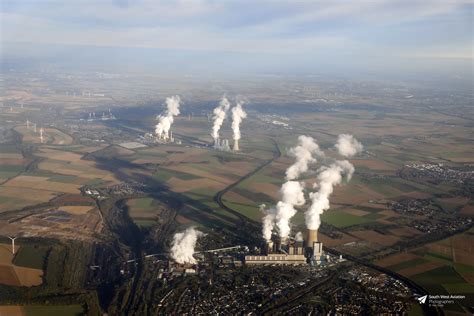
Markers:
<point>121,189</point>
<point>440,173</point>
<point>392,296</point>
<point>414,206</point>
<point>293,251</point>
<point>157,139</point>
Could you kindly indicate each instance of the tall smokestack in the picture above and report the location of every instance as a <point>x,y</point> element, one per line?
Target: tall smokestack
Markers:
<point>236,145</point>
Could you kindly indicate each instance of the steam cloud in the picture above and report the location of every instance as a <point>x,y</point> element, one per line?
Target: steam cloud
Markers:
<point>238,114</point>
<point>182,247</point>
<point>348,146</point>
<point>291,192</point>
<point>292,195</point>
<point>166,120</point>
<point>268,221</point>
<point>220,114</point>
<point>303,153</point>
<point>328,177</point>
<point>299,236</point>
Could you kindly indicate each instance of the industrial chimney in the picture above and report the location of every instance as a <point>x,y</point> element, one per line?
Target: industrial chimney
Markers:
<point>236,145</point>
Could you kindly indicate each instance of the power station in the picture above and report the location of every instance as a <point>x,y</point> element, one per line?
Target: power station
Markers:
<point>291,251</point>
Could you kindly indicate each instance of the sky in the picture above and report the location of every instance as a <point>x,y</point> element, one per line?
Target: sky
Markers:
<point>265,36</point>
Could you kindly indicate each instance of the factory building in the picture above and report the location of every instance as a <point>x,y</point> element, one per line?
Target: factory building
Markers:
<point>291,251</point>
<point>276,258</point>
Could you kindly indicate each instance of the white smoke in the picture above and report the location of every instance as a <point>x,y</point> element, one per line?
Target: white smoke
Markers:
<point>328,177</point>
<point>291,192</point>
<point>182,247</point>
<point>238,114</point>
<point>348,146</point>
<point>299,236</point>
<point>166,119</point>
<point>220,114</point>
<point>268,221</point>
<point>292,195</point>
<point>303,153</point>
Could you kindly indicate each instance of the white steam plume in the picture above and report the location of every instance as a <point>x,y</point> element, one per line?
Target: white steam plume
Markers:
<point>238,114</point>
<point>347,145</point>
<point>220,114</point>
<point>299,236</point>
<point>166,119</point>
<point>182,247</point>
<point>268,221</point>
<point>291,195</point>
<point>328,177</point>
<point>304,153</point>
<point>291,192</point>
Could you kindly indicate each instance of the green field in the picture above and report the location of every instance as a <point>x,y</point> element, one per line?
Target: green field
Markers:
<point>31,257</point>
<point>441,275</point>
<point>407,264</point>
<point>63,310</point>
<point>143,211</point>
<point>341,219</point>
<point>250,211</point>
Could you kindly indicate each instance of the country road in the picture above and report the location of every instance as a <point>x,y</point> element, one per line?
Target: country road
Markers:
<point>218,196</point>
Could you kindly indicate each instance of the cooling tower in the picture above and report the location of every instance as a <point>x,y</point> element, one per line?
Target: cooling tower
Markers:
<point>312,237</point>
<point>236,145</point>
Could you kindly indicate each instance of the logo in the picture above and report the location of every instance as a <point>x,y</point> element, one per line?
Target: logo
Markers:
<point>422,300</point>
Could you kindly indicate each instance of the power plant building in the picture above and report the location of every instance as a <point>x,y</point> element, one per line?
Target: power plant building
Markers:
<point>291,252</point>
<point>276,258</point>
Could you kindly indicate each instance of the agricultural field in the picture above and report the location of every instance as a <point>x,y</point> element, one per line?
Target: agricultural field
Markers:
<point>13,273</point>
<point>41,310</point>
<point>443,267</point>
<point>144,211</point>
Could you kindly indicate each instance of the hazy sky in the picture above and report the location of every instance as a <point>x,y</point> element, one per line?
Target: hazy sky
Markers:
<point>275,34</point>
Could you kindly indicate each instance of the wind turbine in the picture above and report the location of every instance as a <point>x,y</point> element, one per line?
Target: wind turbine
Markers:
<point>13,243</point>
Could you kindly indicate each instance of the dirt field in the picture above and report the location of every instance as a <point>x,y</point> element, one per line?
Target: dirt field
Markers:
<point>27,194</point>
<point>77,210</point>
<point>42,183</point>
<point>269,189</point>
<point>374,165</point>
<point>395,259</point>
<point>201,174</point>
<point>335,242</point>
<point>235,197</point>
<point>405,232</point>
<point>11,310</point>
<point>11,156</point>
<point>467,210</point>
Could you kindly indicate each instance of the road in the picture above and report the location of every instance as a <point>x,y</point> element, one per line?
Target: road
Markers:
<point>302,293</point>
<point>220,194</point>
